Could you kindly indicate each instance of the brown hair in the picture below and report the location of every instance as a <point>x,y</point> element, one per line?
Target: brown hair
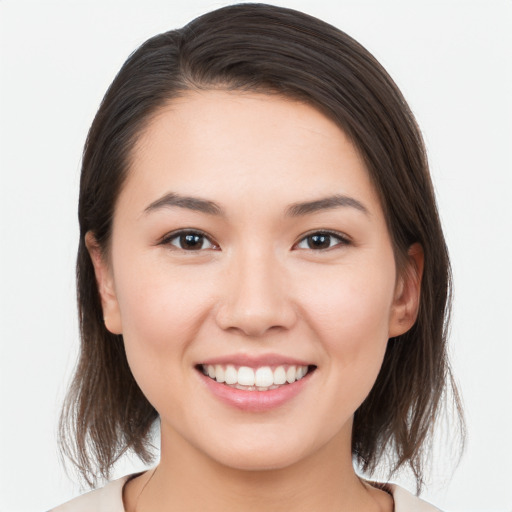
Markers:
<point>273,50</point>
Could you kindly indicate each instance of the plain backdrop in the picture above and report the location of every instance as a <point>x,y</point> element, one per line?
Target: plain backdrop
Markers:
<point>453,61</point>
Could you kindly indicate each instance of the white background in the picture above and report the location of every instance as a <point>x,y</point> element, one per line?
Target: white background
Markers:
<point>452,59</point>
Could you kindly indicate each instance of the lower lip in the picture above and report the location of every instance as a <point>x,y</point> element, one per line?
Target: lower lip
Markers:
<point>255,401</point>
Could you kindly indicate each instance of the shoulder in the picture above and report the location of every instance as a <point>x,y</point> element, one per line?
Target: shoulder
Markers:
<point>105,499</point>
<point>407,502</point>
<point>110,499</point>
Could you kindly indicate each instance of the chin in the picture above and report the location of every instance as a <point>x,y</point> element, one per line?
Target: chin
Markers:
<point>255,462</point>
<point>260,453</point>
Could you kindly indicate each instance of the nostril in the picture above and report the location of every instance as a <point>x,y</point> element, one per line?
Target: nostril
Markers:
<point>256,307</point>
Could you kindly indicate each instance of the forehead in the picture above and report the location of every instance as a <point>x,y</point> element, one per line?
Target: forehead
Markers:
<point>236,144</point>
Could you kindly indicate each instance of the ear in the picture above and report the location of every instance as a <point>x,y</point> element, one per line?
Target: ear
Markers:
<point>406,301</point>
<point>105,283</point>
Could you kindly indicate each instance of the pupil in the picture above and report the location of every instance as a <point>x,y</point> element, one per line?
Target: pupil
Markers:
<point>319,241</point>
<point>191,241</point>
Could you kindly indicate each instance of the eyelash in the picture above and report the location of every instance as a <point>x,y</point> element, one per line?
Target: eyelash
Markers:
<point>329,235</point>
<point>322,237</point>
<point>181,235</point>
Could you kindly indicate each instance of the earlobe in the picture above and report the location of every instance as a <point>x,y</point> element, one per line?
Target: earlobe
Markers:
<point>406,302</point>
<point>105,283</point>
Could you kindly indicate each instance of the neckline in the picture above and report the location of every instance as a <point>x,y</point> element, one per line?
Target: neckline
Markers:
<point>383,486</point>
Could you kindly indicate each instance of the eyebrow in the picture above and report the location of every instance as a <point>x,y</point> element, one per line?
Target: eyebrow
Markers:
<point>171,200</point>
<point>325,203</point>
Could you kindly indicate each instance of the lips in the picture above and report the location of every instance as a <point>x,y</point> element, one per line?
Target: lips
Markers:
<point>255,384</point>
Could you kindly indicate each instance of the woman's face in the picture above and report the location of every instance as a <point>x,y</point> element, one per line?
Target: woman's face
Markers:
<point>249,244</point>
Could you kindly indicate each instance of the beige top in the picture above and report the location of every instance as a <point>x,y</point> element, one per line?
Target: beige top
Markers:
<point>110,499</point>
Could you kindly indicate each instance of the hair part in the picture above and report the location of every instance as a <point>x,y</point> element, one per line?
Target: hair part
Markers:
<point>268,49</point>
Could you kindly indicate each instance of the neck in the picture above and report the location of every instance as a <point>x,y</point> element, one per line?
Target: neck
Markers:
<point>187,479</point>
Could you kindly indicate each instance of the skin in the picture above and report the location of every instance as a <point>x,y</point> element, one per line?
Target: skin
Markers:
<point>255,287</point>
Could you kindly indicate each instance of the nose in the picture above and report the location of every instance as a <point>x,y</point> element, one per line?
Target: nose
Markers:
<point>256,298</point>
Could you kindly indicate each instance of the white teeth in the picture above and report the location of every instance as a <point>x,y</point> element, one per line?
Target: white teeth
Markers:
<point>264,377</point>
<point>219,373</point>
<point>260,379</point>
<point>291,374</point>
<point>279,375</point>
<point>231,375</point>
<point>245,376</point>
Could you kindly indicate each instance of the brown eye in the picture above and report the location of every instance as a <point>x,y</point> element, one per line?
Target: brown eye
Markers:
<point>189,241</point>
<point>321,240</point>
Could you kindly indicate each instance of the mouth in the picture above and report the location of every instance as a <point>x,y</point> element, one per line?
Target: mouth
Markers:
<point>260,378</point>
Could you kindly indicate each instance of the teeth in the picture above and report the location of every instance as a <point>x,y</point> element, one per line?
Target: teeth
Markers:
<point>291,374</point>
<point>245,376</point>
<point>279,375</point>
<point>264,377</point>
<point>219,374</point>
<point>261,379</point>
<point>230,376</point>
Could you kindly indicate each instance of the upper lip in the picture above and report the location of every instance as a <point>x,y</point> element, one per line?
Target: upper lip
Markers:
<point>255,361</point>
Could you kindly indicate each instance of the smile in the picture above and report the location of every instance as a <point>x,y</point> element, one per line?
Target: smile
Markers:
<point>263,378</point>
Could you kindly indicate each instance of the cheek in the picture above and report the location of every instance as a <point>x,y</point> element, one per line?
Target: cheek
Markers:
<point>352,297</point>
<point>161,310</point>
<point>350,311</point>
<point>159,303</point>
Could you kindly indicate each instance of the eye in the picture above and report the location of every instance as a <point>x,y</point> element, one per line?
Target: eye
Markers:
<point>321,240</point>
<point>188,240</point>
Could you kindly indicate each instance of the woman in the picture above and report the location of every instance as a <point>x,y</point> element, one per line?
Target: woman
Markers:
<point>261,268</point>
